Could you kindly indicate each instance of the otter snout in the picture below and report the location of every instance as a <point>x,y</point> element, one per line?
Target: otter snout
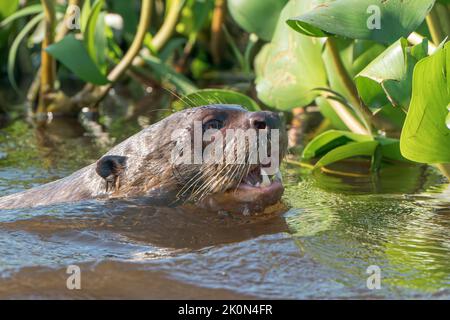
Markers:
<point>264,120</point>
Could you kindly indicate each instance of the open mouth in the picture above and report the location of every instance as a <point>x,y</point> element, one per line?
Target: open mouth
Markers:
<point>260,178</point>
<point>256,191</point>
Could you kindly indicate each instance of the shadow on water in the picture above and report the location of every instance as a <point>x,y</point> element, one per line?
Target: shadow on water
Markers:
<point>336,227</point>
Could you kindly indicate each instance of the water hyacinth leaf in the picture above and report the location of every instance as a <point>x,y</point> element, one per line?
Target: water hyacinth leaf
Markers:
<point>290,67</point>
<point>216,96</point>
<point>364,52</point>
<point>330,140</point>
<point>328,112</point>
<point>73,54</point>
<point>248,13</point>
<point>425,136</point>
<point>379,20</point>
<point>396,116</point>
<point>352,149</point>
<point>388,78</point>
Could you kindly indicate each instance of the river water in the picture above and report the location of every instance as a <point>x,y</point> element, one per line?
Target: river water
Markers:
<point>320,244</point>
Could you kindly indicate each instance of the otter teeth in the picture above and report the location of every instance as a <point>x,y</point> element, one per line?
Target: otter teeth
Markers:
<point>265,179</point>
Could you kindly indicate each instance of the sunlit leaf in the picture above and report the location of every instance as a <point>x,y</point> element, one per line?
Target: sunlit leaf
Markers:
<point>358,19</point>
<point>388,78</point>
<point>328,112</point>
<point>425,136</point>
<point>290,67</point>
<point>330,140</point>
<point>248,15</point>
<point>352,149</point>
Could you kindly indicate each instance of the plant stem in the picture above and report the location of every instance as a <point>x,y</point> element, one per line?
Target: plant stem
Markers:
<point>48,65</point>
<point>366,114</point>
<point>91,95</point>
<point>432,19</point>
<point>33,91</point>
<point>347,117</point>
<point>216,30</point>
<point>144,22</point>
<point>164,33</point>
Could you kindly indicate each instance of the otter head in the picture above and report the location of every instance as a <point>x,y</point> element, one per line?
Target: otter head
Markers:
<point>218,157</point>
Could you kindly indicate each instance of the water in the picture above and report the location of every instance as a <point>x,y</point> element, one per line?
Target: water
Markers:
<point>319,245</point>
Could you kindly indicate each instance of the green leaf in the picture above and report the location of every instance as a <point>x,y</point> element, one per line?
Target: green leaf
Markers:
<point>328,112</point>
<point>94,35</point>
<point>425,136</point>
<point>364,52</point>
<point>355,19</point>
<point>353,149</point>
<point>33,9</point>
<point>165,73</point>
<point>290,67</point>
<point>216,96</point>
<point>15,46</point>
<point>8,7</point>
<point>248,15</point>
<point>388,78</point>
<point>330,140</point>
<point>73,54</point>
<point>85,14</point>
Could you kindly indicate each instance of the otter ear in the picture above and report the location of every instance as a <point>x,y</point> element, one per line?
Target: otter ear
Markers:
<point>110,169</point>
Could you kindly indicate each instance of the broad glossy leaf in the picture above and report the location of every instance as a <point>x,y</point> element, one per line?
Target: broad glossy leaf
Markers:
<point>425,136</point>
<point>330,140</point>
<point>291,66</point>
<point>353,149</point>
<point>328,112</point>
<point>215,96</point>
<point>355,19</point>
<point>73,54</point>
<point>388,78</point>
<point>257,16</point>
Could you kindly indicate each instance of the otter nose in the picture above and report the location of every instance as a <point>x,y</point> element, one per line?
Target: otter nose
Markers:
<point>263,120</point>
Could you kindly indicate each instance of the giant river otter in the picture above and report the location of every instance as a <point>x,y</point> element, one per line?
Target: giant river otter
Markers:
<point>166,164</point>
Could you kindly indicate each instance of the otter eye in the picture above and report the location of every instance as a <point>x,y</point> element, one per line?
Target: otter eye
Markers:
<point>213,124</point>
